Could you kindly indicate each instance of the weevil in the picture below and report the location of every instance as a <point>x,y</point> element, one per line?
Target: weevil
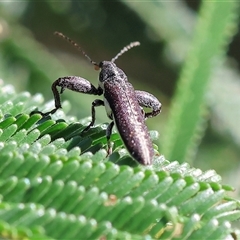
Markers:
<point>123,104</point>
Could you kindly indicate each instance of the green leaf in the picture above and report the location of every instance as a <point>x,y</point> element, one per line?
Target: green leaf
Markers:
<point>213,32</point>
<point>49,180</point>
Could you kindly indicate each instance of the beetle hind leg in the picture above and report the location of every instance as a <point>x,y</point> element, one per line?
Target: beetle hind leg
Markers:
<point>146,99</point>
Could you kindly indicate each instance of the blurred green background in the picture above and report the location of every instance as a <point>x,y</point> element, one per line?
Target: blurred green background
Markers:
<point>31,58</point>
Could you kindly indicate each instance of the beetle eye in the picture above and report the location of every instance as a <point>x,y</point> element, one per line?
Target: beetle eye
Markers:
<point>101,78</point>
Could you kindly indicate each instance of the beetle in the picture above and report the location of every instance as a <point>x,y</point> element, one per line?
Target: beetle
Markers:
<point>123,104</point>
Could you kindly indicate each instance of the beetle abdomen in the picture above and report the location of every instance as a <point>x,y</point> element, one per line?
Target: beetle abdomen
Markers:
<point>129,120</point>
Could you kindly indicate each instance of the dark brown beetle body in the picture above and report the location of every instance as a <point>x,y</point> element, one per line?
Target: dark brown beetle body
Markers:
<point>123,108</point>
<point>124,105</point>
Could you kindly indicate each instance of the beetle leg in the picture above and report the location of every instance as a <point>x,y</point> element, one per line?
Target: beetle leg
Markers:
<point>73,83</point>
<point>146,99</point>
<point>95,103</point>
<point>108,134</point>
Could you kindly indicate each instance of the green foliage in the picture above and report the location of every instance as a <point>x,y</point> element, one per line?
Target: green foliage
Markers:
<point>216,25</point>
<point>57,183</point>
<point>172,27</point>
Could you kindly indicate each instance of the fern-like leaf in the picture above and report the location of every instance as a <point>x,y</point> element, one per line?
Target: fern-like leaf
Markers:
<point>56,182</point>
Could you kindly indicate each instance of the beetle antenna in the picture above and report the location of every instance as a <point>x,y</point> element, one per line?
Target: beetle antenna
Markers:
<point>76,46</point>
<point>125,49</point>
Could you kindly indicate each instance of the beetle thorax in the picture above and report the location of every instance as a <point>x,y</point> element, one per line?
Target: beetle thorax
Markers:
<point>110,72</point>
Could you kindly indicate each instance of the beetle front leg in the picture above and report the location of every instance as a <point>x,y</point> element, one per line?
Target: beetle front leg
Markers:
<point>95,103</point>
<point>146,99</point>
<point>73,83</point>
